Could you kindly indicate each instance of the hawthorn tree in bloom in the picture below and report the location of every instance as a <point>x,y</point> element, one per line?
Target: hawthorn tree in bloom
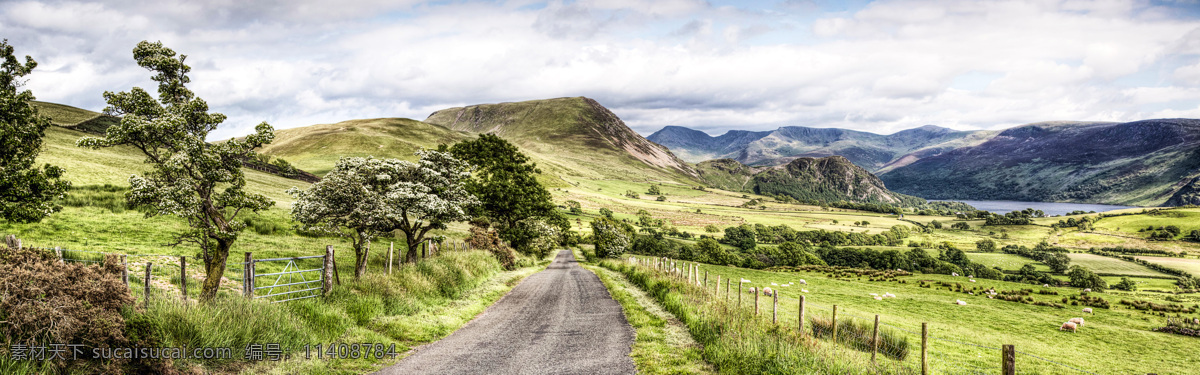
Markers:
<point>27,192</point>
<point>363,197</point>
<point>190,178</point>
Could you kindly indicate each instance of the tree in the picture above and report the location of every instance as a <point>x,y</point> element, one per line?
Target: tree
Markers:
<point>654,190</point>
<point>661,198</point>
<point>795,254</point>
<point>506,184</point>
<point>27,193</point>
<point>1125,284</point>
<point>741,237</point>
<point>1084,278</point>
<point>610,238</point>
<point>712,228</point>
<point>985,245</point>
<point>362,197</point>
<point>961,225</point>
<point>713,251</point>
<point>200,182</point>
<point>936,224</point>
<point>1058,262</point>
<point>954,256</point>
<point>427,195</point>
<point>574,207</point>
<point>606,213</point>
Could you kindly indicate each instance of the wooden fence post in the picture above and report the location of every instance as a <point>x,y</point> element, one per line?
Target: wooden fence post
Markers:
<point>775,308</point>
<point>706,281</point>
<point>875,339</point>
<point>146,281</point>
<point>248,275</point>
<point>739,295</point>
<point>835,326</point>
<point>391,246</point>
<point>58,251</point>
<point>1009,359</point>
<point>924,348</point>
<point>327,271</point>
<point>756,301</point>
<point>800,325</point>
<point>183,276</point>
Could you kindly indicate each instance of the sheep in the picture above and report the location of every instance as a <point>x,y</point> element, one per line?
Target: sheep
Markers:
<point>972,280</point>
<point>971,277</point>
<point>1088,290</point>
<point>1045,285</point>
<point>874,294</point>
<point>1087,310</point>
<point>878,298</point>
<point>1068,326</point>
<point>804,290</point>
<point>889,295</point>
<point>960,302</point>
<point>955,274</point>
<point>1197,321</point>
<point>753,291</point>
<point>802,282</point>
<point>774,284</point>
<point>745,281</point>
<point>1078,321</point>
<point>767,291</point>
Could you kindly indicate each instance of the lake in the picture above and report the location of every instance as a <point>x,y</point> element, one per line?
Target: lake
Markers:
<point>1050,208</point>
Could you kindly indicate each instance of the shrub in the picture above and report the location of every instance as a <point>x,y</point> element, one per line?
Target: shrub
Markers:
<point>489,240</point>
<point>611,239</point>
<point>43,301</point>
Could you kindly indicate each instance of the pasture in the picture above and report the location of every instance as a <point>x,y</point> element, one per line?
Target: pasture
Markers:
<point>1189,265</point>
<point>1111,266</point>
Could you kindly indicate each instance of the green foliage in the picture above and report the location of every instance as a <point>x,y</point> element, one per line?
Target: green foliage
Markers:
<point>631,194</point>
<point>1058,262</point>
<point>27,192</point>
<point>574,208</point>
<point>654,190</point>
<point>610,237</point>
<point>506,184</point>
<point>711,250</point>
<point>1085,278</point>
<point>661,198</point>
<point>936,224</point>
<point>742,237</point>
<point>1024,217</point>
<point>962,225</point>
<point>795,254</point>
<point>712,228</point>
<point>606,213</point>
<point>1125,284</point>
<point>985,245</point>
<point>200,182</point>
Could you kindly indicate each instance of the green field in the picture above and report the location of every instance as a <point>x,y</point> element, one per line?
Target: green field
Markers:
<point>1005,261</point>
<point>1102,346</point>
<point>1189,265</point>
<point>1107,265</point>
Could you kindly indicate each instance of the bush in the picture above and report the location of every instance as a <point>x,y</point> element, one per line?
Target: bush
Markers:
<point>43,301</point>
<point>489,240</point>
<point>611,238</point>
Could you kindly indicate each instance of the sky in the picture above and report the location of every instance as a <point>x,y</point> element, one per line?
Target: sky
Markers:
<point>878,66</point>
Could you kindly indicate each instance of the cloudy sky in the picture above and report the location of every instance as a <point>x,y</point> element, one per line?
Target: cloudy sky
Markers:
<point>878,66</point>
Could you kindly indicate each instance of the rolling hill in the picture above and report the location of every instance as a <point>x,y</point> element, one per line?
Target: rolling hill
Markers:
<point>874,152</point>
<point>575,136</point>
<point>1144,163</point>
<point>317,148</point>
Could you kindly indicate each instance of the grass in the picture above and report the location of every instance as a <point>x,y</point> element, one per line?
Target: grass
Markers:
<point>1111,266</point>
<point>1104,345</point>
<point>1184,264</point>
<point>1005,261</point>
<point>662,344</point>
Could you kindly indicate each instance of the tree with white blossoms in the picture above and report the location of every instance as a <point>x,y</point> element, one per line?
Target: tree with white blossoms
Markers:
<point>190,178</point>
<point>363,197</point>
<point>611,238</point>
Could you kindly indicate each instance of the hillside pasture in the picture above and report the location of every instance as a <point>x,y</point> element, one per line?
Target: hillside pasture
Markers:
<point>1189,265</point>
<point>1111,266</point>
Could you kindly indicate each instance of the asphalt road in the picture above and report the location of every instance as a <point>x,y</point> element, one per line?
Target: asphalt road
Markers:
<point>558,321</point>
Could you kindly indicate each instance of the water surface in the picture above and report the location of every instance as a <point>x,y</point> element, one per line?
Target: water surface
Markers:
<point>1050,208</point>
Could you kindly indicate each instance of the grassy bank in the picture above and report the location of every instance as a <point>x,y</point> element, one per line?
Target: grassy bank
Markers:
<point>663,344</point>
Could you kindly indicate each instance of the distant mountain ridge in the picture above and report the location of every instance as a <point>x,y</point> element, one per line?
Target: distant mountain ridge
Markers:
<point>875,152</point>
<point>829,179</point>
<point>1145,163</point>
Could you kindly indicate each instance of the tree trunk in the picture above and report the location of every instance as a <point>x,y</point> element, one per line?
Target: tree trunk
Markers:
<point>413,246</point>
<point>214,269</point>
<point>361,248</point>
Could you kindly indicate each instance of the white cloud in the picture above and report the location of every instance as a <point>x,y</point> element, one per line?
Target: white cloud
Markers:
<point>888,66</point>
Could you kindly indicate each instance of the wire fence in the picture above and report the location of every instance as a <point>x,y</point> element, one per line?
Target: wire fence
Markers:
<point>895,346</point>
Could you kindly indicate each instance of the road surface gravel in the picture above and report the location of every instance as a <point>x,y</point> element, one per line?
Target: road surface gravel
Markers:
<point>558,321</point>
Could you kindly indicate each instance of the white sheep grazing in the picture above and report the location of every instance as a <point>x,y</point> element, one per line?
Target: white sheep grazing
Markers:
<point>1078,321</point>
<point>768,292</point>
<point>753,291</point>
<point>874,294</point>
<point>774,284</point>
<point>889,295</point>
<point>1197,321</point>
<point>1045,285</point>
<point>972,280</point>
<point>955,274</point>
<point>745,281</point>
<point>802,282</point>
<point>878,298</point>
<point>804,290</point>
<point>961,303</point>
<point>1087,310</point>
<point>971,277</point>
<point>1088,290</point>
<point>1068,326</point>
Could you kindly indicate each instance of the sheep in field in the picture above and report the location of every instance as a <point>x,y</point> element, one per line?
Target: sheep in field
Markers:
<point>1045,285</point>
<point>1088,290</point>
<point>1068,326</point>
<point>878,298</point>
<point>768,292</point>
<point>1078,321</point>
<point>955,274</point>
<point>802,282</point>
<point>961,303</point>
<point>753,291</point>
<point>804,290</point>
<point>1087,310</point>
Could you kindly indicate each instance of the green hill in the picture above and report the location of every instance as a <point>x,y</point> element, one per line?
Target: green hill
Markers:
<point>828,179</point>
<point>317,148</point>
<point>573,136</point>
<point>76,118</point>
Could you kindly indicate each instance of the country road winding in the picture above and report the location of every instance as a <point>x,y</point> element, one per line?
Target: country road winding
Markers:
<point>558,321</point>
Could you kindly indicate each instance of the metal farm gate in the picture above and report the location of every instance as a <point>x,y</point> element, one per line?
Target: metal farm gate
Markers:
<point>299,278</point>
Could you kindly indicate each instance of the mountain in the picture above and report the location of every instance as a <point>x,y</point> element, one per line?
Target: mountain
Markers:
<point>576,136</point>
<point>1187,195</point>
<point>1135,163</point>
<point>828,179</point>
<point>80,119</point>
<point>872,151</point>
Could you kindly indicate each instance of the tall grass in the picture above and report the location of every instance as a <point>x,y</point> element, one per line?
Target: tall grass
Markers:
<point>737,341</point>
<point>857,334</point>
